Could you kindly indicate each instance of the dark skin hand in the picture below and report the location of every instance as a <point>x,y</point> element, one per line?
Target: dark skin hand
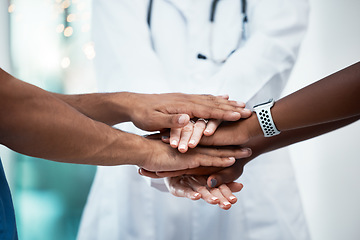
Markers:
<point>153,112</point>
<point>292,116</point>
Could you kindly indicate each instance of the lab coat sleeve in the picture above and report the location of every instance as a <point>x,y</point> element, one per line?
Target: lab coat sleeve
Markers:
<point>264,62</point>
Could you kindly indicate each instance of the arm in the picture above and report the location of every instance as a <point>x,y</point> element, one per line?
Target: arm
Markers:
<point>298,121</point>
<point>334,101</point>
<point>261,145</point>
<point>35,123</point>
<point>333,98</point>
<point>221,180</point>
<point>152,112</point>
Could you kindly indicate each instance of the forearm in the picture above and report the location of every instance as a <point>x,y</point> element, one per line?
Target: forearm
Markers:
<point>35,123</point>
<point>260,144</point>
<point>333,98</point>
<point>109,108</point>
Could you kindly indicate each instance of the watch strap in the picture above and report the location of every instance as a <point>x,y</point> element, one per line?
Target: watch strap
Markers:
<point>264,116</point>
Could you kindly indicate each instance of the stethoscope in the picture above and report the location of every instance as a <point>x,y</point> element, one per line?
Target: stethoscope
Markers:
<point>242,35</point>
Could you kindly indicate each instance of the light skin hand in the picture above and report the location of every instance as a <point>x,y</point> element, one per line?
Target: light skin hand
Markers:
<point>194,188</point>
<point>190,135</point>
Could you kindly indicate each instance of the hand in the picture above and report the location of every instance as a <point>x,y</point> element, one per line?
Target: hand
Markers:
<point>190,135</point>
<point>194,188</point>
<point>218,176</point>
<point>165,158</point>
<point>154,112</point>
<point>227,175</point>
<point>233,133</point>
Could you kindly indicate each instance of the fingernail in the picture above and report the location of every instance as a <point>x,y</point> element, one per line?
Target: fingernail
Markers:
<point>213,182</point>
<point>182,119</point>
<point>207,131</point>
<point>174,142</point>
<point>214,198</point>
<point>232,158</point>
<point>196,195</point>
<point>235,114</point>
<point>192,142</point>
<point>164,137</point>
<point>226,203</point>
<point>248,150</point>
<point>182,147</point>
<point>232,198</point>
<point>241,104</point>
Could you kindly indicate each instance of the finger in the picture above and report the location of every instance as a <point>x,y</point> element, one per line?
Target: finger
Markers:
<point>175,137</point>
<point>164,120</point>
<point>186,134</point>
<point>165,139</point>
<point>227,134</point>
<point>155,136</point>
<point>233,103</point>
<point>240,104</point>
<point>228,113</point>
<point>235,186</point>
<point>223,201</point>
<point>146,173</point>
<point>215,107</point>
<point>198,131</point>
<point>245,113</point>
<point>211,127</point>
<point>227,193</point>
<point>203,190</point>
<point>207,161</point>
<point>180,189</point>
<point>194,171</point>
<point>238,152</point>
<point>227,175</point>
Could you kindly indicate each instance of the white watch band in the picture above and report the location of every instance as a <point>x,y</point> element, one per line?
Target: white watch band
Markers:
<point>263,114</point>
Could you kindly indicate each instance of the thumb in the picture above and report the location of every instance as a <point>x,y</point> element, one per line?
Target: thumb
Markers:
<point>225,176</point>
<point>174,120</point>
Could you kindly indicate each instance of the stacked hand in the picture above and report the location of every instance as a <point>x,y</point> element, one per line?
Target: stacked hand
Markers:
<point>213,184</point>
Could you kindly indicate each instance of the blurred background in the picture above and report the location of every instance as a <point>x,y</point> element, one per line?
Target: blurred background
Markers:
<point>48,43</point>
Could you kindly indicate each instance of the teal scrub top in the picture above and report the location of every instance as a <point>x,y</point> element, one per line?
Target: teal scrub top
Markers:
<point>7,215</point>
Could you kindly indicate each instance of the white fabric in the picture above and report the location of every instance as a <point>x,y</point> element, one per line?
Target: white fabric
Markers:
<point>121,205</point>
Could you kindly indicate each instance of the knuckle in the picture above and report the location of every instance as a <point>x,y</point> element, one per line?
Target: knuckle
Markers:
<point>188,128</point>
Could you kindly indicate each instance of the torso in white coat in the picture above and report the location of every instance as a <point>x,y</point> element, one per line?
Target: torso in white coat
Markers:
<point>121,204</point>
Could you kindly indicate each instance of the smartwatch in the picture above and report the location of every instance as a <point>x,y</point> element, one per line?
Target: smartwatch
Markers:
<point>263,114</point>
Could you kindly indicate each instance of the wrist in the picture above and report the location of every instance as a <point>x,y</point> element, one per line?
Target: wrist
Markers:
<point>118,106</point>
<point>253,126</point>
<point>147,153</point>
<point>263,113</point>
<point>137,149</point>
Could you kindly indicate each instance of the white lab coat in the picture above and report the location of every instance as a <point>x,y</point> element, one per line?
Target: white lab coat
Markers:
<point>121,205</point>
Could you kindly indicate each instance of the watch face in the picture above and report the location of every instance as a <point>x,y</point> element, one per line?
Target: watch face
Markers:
<point>260,104</point>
